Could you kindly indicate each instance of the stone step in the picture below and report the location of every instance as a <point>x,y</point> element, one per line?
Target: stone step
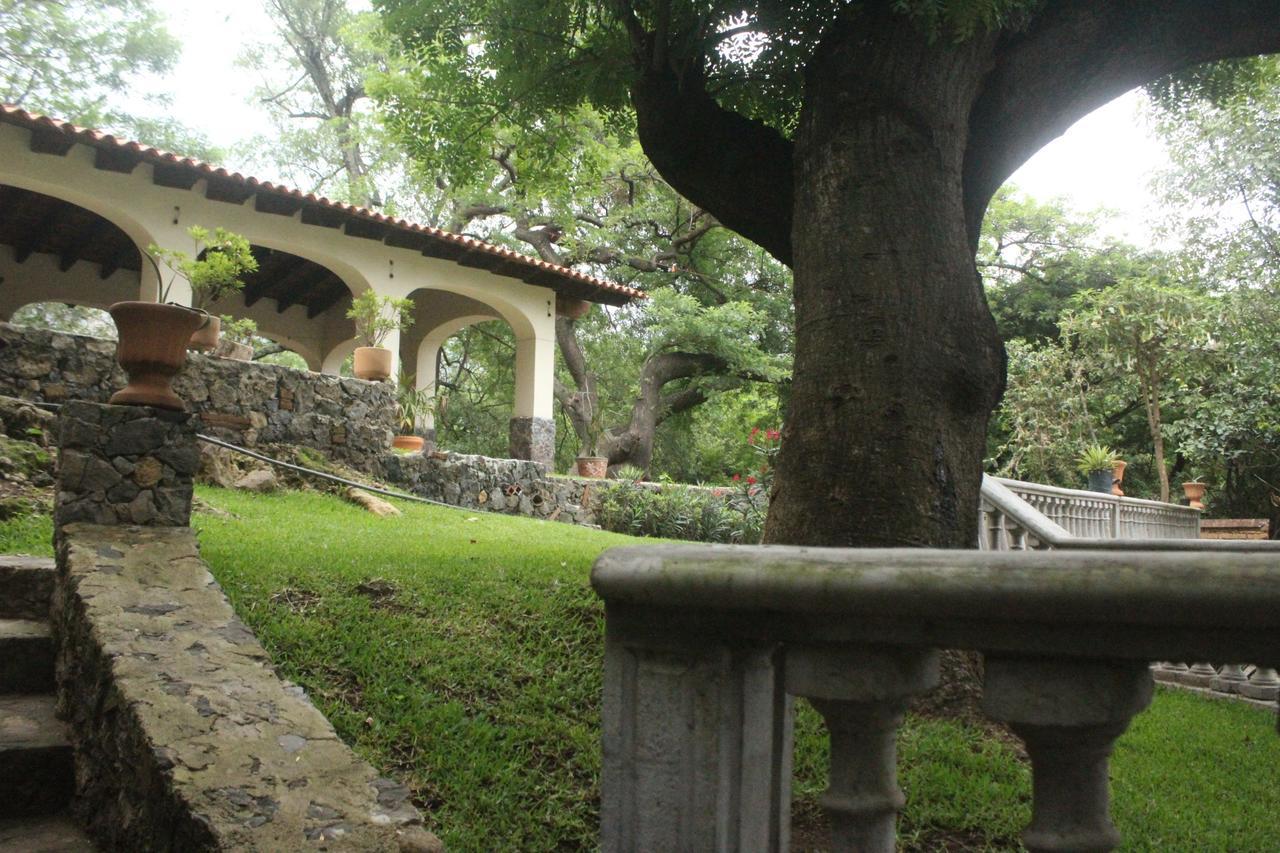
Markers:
<point>44,834</point>
<point>26,585</point>
<point>38,776</point>
<point>26,656</point>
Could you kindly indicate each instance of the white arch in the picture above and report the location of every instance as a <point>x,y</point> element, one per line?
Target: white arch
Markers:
<point>429,351</point>
<point>332,362</point>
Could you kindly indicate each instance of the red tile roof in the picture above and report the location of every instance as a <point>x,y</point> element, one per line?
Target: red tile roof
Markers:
<point>561,279</point>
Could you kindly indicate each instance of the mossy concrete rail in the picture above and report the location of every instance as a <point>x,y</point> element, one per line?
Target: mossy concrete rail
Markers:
<point>707,645</point>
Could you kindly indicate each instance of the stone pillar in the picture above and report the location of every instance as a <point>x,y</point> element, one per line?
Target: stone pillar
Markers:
<point>696,741</point>
<point>125,465</point>
<point>862,693</point>
<point>533,439</point>
<point>1069,714</point>
<point>533,431</point>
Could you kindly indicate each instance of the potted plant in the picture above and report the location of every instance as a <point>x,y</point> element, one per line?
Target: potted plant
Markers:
<point>411,403</point>
<point>590,463</point>
<point>1117,474</point>
<point>376,317</point>
<point>1194,491</point>
<point>236,338</point>
<point>227,257</point>
<point>1097,462</point>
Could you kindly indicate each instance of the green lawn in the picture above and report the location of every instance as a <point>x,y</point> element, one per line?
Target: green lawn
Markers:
<point>462,652</point>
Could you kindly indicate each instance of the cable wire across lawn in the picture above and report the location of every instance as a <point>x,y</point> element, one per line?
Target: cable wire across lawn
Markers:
<point>321,474</point>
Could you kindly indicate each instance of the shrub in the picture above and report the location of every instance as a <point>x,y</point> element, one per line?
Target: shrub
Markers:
<point>678,512</point>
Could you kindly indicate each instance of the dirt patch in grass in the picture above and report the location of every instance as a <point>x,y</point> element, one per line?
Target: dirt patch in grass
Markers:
<point>296,600</point>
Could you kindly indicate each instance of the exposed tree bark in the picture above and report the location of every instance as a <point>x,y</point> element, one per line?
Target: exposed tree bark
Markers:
<point>901,144</point>
<point>898,362</point>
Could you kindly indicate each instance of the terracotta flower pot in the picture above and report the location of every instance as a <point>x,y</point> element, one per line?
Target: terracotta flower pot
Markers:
<point>411,443</point>
<point>372,363</point>
<point>595,467</point>
<point>1194,492</point>
<point>1117,474</point>
<point>152,348</point>
<point>205,338</point>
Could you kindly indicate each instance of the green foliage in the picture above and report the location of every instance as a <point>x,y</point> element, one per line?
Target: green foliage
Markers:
<point>377,316</point>
<point>1094,458</point>
<point>226,257</point>
<point>69,57</point>
<point>73,319</point>
<point>681,512</point>
<point>1035,256</point>
<point>242,331</point>
<point>412,403</point>
<point>1044,421</point>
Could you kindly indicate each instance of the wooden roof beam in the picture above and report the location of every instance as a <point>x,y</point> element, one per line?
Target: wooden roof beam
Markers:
<point>82,241</point>
<point>24,247</point>
<point>47,141</point>
<point>174,176</point>
<point>265,280</point>
<point>122,160</point>
<point>119,261</point>
<point>321,304</point>
<point>294,294</point>
<point>228,190</point>
<point>280,204</point>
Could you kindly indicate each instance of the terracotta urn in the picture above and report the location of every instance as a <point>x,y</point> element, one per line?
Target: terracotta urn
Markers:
<point>411,443</point>
<point>372,363</point>
<point>1117,474</point>
<point>152,348</point>
<point>1194,492</point>
<point>594,467</point>
<point>205,338</point>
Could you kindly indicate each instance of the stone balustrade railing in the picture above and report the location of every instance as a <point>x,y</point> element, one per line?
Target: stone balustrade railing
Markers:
<point>1091,515</point>
<point>706,646</point>
<point>1011,522</point>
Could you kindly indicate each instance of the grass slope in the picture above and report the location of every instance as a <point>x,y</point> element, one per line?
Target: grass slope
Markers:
<point>462,652</point>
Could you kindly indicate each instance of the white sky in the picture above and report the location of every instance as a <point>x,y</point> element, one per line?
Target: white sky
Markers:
<point>1105,160</point>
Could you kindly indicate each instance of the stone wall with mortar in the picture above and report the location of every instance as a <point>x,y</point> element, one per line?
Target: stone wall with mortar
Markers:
<point>124,465</point>
<point>185,739</point>
<point>246,403</point>
<point>183,736</point>
<point>517,487</point>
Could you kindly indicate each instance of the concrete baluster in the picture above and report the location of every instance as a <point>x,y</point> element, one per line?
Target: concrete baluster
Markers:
<point>1264,685</point>
<point>1068,713</point>
<point>862,693</point>
<point>696,742</point>
<point>1199,675</point>
<point>1229,678</point>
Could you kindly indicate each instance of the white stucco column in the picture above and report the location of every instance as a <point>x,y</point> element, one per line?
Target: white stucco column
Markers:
<point>392,342</point>
<point>173,237</point>
<point>533,431</point>
<point>424,378</point>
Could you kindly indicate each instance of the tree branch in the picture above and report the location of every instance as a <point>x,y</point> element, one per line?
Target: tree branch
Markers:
<point>1076,55</point>
<point>737,169</point>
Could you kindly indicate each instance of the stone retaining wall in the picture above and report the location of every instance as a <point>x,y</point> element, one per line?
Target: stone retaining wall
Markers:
<point>247,403</point>
<point>518,487</point>
<point>184,738</point>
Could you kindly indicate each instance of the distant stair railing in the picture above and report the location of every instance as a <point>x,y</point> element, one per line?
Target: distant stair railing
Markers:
<point>1018,516</point>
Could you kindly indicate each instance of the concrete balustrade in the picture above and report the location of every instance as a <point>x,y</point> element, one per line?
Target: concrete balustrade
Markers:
<point>707,645</point>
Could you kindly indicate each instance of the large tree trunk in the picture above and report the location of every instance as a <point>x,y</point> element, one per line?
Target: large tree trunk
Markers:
<point>898,362</point>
